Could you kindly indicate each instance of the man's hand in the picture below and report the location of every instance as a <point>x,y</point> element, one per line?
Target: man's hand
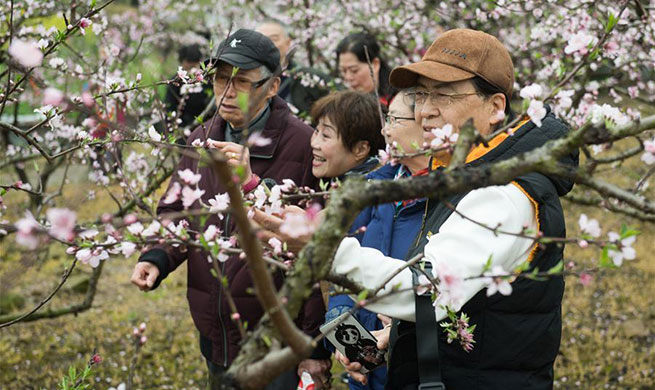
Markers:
<point>318,369</point>
<point>144,275</point>
<point>382,336</point>
<point>237,155</point>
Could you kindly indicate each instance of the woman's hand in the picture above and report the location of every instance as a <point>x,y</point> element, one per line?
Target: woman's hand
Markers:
<point>269,226</point>
<point>352,368</point>
<point>382,336</point>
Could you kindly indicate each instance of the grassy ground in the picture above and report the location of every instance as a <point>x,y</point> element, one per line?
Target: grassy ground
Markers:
<point>608,340</point>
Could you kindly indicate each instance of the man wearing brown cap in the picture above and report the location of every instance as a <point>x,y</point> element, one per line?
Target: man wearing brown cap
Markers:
<point>464,75</point>
<point>247,63</point>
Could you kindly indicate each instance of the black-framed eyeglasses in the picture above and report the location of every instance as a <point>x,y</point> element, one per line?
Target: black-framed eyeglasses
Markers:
<point>240,84</point>
<point>436,98</point>
<point>392,120</point>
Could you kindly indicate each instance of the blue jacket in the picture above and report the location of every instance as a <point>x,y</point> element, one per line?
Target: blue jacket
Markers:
<point>391,228</point>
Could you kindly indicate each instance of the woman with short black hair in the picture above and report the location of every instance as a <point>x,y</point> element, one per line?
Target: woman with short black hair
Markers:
<point>347,134</point>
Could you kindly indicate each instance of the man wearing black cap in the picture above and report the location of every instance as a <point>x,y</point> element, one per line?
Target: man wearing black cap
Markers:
<point>246,63</point>
<point>467,74</point>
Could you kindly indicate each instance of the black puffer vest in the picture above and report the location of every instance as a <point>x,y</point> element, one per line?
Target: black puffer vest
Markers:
<point>517,337</point>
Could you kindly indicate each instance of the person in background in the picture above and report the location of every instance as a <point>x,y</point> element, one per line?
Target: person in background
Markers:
<point>287,156</point>
<point>300,86</point>
<point>354,68</point>
<point>277,33</point>
<point>188,101</point>
<point>390,227</point>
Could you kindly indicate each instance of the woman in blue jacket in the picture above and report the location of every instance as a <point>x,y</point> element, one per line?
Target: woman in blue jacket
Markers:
<point>390,227</point>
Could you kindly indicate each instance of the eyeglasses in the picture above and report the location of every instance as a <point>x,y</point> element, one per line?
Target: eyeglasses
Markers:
<point>436,98</point>
<point>239,83</point>
<point>392,120</point>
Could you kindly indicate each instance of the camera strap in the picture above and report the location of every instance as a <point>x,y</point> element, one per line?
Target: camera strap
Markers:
<point>427,336</point>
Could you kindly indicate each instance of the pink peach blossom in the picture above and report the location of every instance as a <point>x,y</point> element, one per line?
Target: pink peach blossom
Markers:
<point>52,97</point>
<point>585,278</point>
<point>189,177</point>
<point>27,54</point>
<point>62,223</point>
<point>173,193</point>
<point>189,196</point>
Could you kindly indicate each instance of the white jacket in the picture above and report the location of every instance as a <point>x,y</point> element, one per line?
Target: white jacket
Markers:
<point>461,247</point>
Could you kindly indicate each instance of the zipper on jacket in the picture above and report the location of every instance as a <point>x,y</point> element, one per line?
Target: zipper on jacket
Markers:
<point>220,298</point>
<point>220,318</point>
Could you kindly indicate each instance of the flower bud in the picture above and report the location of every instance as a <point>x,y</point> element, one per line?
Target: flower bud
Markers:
<point>95,359</point>
<point>585,279</point>
<point>130,219</point>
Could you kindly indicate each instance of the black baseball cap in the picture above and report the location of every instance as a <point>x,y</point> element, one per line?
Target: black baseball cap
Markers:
<point>248,49</point>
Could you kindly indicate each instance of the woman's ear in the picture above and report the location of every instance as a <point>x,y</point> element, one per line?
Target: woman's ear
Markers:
<point>361,150</point>
<point>375,63</point>
<point>497,103</point>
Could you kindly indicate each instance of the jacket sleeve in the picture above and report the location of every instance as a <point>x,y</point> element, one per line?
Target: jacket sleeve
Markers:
<point>166,257</point>
<point>461,248</point>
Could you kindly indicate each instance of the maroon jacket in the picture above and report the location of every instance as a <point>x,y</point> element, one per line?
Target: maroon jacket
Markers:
<point>288,156</point>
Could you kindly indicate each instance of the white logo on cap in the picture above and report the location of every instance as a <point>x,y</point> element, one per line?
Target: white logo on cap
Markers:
<point>234,42</point>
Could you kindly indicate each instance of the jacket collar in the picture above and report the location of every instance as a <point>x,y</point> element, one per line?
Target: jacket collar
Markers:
<point>275,126</point>
<point>524,137</point>
<point>362,169</point>
<point>479,151</point>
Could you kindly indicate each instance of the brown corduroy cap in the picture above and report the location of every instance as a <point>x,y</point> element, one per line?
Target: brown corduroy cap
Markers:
<point>457,55</point>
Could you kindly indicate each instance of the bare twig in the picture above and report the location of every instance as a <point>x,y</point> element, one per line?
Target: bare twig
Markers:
<point>376,81</point>
<point>45,300</point>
